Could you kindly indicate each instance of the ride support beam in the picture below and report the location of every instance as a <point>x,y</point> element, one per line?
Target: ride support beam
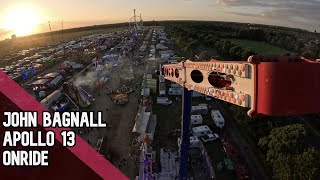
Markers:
<point>185,134</point>
<point>267,85</point>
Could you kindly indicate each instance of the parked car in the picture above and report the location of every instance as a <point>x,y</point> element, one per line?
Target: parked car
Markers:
<point>210,137</point>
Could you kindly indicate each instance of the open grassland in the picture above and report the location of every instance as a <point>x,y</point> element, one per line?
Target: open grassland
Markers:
<point>258,47</point>
<point>23,43</point>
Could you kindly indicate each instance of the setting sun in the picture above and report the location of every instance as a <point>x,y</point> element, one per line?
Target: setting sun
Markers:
<point>22,21</point>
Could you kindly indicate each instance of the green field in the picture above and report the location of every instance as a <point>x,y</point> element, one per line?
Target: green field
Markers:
<point>259,47</point>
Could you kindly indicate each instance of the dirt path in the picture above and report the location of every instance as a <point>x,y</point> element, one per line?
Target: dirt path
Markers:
<point>256,169</point>
<point>120,117</point>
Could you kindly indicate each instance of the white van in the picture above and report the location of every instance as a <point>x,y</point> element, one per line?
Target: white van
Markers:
<point>201,131</point>
<point>175,91</point>
<point>196,119</point>
<point>163,101</point>
<point>217,118</point>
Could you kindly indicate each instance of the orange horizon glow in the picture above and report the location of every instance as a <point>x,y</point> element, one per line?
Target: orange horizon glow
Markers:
<point>21,20</point>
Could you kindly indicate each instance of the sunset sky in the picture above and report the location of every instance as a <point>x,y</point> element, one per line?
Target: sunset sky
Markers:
<point>293,13</point>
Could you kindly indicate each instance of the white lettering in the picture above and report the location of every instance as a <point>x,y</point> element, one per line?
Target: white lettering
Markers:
<point>56,122</point>
<point>46,119</point>
<point>6,158</point>
<point>25,158</point>
<point>7,139</point>
<point>27,138</point>
<point>100,121</point>
<point>20,119</point>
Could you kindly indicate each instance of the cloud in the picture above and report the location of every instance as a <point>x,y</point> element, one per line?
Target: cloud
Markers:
<point>304,13</point>
<point>240,2</point>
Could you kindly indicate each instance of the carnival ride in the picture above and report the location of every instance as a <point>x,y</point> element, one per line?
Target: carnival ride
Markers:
<point>266,85</point>
<point>61,104</point>
<point>133,24</point>
<point>77,95</point>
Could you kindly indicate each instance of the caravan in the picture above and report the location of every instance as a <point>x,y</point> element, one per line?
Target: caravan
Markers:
<point>217,118</point>
<point>194,141</point>
<point>196,119</point>
<point>174,85</point>
<point>197,94</point>
<point>196,110</point>
<point>208,98</point>
<point>162,89</point>
<point>163,101</point>
<point>201,131</point>
<point>175,91</point>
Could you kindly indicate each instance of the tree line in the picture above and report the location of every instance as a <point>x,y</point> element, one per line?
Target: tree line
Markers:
<point>188,39</point>
<point>295,41</point>
<point>280,139</point>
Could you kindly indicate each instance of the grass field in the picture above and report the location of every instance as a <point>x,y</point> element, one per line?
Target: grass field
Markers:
<point>27,42</point>
<point>259,47</point>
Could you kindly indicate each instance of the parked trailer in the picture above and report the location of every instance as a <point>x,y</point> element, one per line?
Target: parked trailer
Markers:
<point>175,91</point>
<point>174,85</point>
<point>208,98</point>
<point>163,101</point>
<point>162,89</point>
<point>197,94</point>
<point>201,131</point>
<point>199,110</point>
<point>194,141</point>
<point>196,119</point>
<point>161,79</point>
<point>217,118</point>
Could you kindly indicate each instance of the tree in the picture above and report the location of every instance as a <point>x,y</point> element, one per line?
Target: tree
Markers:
<point>287,154</point>
<point>307,163</point>
<point>48,61</point>
<point>309,55</point>
<point>246,53</point>
<point>235,52</point>
<point>286,139</point>
<point>204,55</point>
<point>226,47</point>
<point>218,45</point>
<point>286,54</point>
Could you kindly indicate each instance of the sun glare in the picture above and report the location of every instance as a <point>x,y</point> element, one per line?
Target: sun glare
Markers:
<point>22,21</point>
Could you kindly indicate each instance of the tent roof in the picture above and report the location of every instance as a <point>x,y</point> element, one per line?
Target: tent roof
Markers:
<point>41,81</point>
<point>142,120</point>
